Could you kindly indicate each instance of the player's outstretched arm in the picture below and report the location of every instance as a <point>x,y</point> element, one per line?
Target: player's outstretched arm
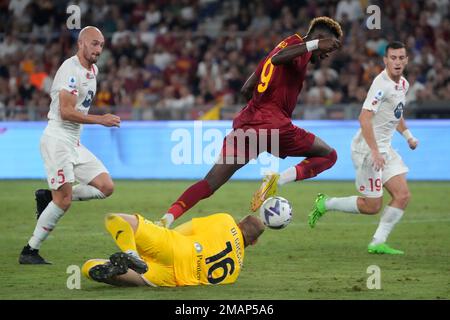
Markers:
<point>67,103</point>
<point>287,54</point>
<point>249,85</point>
<point>401,125</point>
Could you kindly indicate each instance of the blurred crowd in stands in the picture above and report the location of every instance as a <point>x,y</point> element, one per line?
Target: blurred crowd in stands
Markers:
<point>178,59</point>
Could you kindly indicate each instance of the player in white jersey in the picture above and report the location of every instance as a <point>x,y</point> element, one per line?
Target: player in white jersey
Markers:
<point>65,159</point>
<point>376,163</point>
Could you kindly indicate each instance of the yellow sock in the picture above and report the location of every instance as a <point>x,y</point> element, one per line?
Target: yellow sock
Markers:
<point>121,232</point>
<point>90,264</point>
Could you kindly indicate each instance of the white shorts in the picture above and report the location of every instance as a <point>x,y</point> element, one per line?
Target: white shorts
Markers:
<point>68,163</point>
<point>370,182</point>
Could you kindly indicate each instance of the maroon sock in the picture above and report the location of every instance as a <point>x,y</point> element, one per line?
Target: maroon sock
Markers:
<point>190,197</point>
<point>311,167</point>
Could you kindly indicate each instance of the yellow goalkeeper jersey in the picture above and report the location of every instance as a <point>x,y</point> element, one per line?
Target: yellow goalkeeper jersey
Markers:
<point>213,254</point>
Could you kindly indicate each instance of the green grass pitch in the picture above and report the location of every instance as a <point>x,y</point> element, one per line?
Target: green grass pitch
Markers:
<point>328,262</point>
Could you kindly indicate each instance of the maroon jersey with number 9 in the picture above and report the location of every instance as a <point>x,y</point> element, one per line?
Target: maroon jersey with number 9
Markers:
<point>276,93</point>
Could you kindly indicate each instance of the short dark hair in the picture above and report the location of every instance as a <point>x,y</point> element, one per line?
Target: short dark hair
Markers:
<point>326,23</point>
<point>394,45</point>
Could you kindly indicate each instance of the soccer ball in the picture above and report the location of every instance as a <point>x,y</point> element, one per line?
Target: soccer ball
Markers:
<point>276,212</point>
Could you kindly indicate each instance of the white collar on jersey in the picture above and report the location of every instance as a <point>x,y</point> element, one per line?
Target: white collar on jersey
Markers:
<point>386,75</point>
<point>400,85</point>
<point>92,70</point>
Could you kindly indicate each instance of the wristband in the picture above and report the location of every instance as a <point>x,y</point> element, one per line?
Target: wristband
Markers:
<point>407,134</point>
<point>312,45</point>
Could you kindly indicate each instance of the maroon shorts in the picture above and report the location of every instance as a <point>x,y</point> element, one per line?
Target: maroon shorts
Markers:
<point>248,142</point>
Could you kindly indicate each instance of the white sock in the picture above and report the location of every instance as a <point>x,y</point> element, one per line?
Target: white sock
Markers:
<point>347,204</point>
<point>169,219</point>
<point>46,223</point>
<point>288,175</point>
<point>388,220</point>
<point>133,253</point>
<point>82,192</point>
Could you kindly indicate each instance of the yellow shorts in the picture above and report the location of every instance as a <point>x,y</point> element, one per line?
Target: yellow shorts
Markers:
<point>155,246</point>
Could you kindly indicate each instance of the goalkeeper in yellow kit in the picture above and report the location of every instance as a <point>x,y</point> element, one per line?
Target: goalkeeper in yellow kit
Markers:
<point>203,251</point>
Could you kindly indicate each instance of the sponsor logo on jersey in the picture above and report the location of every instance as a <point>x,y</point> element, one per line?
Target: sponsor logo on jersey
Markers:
<point>88,100</point>
<point>398,111</point>
<point>377,97</point>
<point>72,82</point>
<point>198,247</point>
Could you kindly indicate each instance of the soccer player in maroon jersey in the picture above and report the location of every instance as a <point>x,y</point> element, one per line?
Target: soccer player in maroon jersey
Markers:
<point>265,123</point>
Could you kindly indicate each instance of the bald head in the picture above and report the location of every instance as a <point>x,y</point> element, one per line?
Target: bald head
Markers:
<point>252,227</point>
<point>90,44</point>
<point>90,32</point>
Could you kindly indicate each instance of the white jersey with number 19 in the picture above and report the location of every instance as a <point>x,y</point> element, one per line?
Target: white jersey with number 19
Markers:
<point>386,99</point>
<point>79,81</point>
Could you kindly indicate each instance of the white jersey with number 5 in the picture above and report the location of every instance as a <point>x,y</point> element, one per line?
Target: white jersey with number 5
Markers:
<point>79,81</point>
<point>386,99</point>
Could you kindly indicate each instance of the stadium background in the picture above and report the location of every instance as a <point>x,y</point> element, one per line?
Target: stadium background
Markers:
<point>177,59</point>
<point>167,64</point>
<point>186,60</point>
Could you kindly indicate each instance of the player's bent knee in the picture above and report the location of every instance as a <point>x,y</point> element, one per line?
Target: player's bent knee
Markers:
<point>63,197</point>
<point>131,219</point>
<point>63,202</point>
<point>375,207</point>
<point>372,205</point>
<point>373,210</point>
<point>332,156</point>
<point>66,205</point>
<point>107,189</point>
<point>110,216</point>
